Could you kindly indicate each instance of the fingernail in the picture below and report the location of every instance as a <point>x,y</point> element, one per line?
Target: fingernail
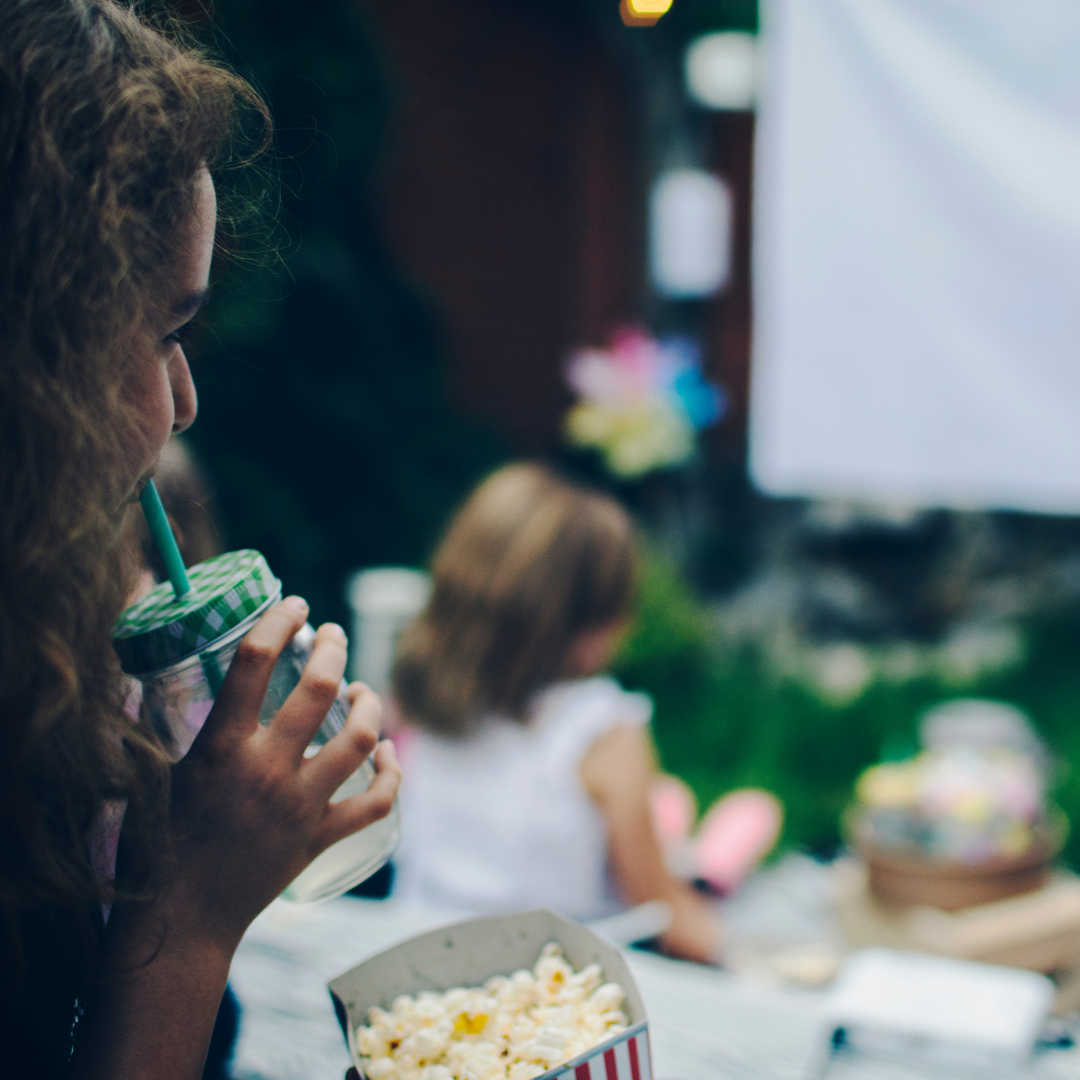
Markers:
<point>335,631</point>
<point>296,603</point>
<point>391,749</point>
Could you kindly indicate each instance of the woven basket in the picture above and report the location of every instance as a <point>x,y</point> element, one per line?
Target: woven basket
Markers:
<point>900,877</point>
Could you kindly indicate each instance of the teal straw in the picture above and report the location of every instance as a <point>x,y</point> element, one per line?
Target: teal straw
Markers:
<point>163,537</point>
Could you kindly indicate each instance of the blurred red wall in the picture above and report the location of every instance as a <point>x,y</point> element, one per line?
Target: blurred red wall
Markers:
<point>513,195</point>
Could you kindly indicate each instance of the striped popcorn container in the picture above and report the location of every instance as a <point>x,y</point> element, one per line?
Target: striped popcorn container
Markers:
<point>467,954</point>
<point>625,1057</point>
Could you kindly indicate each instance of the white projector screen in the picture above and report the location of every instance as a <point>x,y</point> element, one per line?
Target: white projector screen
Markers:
<point>917,253</point>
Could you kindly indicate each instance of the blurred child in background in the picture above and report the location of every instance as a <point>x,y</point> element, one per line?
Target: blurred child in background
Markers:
<point>529,771</point>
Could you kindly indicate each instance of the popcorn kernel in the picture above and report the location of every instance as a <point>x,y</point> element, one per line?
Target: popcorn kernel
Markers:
<point>470,1025</point>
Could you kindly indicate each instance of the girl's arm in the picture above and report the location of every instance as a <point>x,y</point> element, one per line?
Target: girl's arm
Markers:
<point>617,772</point>
<point>248,813</point>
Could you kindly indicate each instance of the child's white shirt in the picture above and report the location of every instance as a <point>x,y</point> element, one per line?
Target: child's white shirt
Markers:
<point>501,820</point>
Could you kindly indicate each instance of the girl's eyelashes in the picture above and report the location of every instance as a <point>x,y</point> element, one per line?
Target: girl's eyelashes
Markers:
<point>180,335</point>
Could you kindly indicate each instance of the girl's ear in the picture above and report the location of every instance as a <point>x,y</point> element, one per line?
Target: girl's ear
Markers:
<point>591,651</point>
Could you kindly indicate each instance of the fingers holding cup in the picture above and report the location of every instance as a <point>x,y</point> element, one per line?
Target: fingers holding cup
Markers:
<point>342,755</point>
<point>358,811</point>
<point>235,714</point>
<point>304,710</point>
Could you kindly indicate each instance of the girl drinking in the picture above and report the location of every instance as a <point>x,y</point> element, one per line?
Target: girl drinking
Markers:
<point>110,139</point>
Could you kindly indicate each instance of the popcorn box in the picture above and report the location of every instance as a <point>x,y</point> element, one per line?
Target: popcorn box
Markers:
<point>469,953</point>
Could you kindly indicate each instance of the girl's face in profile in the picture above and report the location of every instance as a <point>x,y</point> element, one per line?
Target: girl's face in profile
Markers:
<point>158,384</point>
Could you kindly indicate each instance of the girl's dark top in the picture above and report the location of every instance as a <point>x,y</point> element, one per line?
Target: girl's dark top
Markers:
<point>40,1012</point>
<point>45,988</point>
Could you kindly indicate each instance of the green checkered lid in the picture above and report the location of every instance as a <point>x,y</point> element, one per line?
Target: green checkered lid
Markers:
<point>224,591</point>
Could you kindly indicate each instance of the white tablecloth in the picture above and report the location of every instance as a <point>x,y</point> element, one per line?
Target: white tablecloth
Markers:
<point>704,1024</point>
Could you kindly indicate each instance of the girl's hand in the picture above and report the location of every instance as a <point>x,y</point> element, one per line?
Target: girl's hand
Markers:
<point>617,772</point>
<point>249,811</point>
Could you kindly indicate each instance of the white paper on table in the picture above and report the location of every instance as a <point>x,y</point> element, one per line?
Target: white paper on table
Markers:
<point>917,252</point>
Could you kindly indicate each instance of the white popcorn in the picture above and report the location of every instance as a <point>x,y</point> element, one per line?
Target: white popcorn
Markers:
<point>525,1070</point>
<point>457,1057</point>
<point>429,1043</point>
<point>406,1063</point>
<point>588,978</point>
<point>522,991</point>
<point>549,1046</point>
<point>430,1008</point>
<point>607,997</point>
<point>573,996</point>
<point>483,1070</point>
<point>457,999</point>
<point>583,1041</point>
<point>372,1043</point>
<point>555,1015</point>
<point>388,1026</point>
<point>484,1062</point>
<point>380,1069</point>
<point>553,973</point>
<point>512,1028</point>
<point>522,1031</point>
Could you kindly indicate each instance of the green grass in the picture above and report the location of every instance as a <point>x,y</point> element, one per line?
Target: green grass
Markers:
<point>727,718</point>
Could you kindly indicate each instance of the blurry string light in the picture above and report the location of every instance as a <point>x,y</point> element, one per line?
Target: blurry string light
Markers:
<point>689,234</point>
<point>722,70</point>
<point>643,12</point>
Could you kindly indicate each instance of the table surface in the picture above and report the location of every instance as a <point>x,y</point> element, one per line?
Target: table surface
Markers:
<point>704,1024</point>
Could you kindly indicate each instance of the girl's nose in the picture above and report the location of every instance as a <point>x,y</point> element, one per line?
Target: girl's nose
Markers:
<point>185,400</point>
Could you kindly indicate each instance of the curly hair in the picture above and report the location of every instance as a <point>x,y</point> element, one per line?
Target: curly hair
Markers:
<point>105,125</point>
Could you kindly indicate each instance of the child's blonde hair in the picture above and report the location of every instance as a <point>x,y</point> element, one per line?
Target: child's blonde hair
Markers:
<point>529,563</point>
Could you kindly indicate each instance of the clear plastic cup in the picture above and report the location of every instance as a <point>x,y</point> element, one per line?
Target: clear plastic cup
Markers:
<point>177,698</point>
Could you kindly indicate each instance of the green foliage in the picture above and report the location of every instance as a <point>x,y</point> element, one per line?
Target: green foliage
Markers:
<point>726,718</point>
<point>667,643</point>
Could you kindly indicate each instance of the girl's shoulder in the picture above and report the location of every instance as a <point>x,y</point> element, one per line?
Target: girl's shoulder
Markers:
<point>588,708</point>
<point>598,692</point>
<point>564,718</point>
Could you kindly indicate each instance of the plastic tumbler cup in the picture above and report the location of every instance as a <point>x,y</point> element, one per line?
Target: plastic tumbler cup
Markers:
<point>180,651</point>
